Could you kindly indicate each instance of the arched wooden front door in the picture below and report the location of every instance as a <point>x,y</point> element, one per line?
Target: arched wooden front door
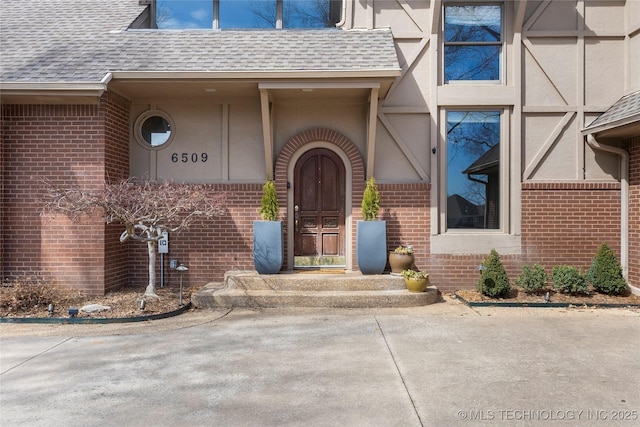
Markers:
<point>319,210</point>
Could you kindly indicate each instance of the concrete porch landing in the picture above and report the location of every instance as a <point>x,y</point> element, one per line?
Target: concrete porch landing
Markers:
<point>306,289</point>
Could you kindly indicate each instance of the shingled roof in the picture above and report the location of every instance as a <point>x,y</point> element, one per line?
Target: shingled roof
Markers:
<point>62,41</point>
<point>625,111</point>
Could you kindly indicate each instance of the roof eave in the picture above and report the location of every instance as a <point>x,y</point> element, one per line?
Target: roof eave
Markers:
<point>52,91</point>
<point>612,125</point>
<point>258,74</point>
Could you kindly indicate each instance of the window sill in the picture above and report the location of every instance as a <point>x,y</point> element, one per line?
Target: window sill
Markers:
<point>474,242</point>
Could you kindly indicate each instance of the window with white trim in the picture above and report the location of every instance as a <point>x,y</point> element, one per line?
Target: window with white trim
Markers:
<point>473,42</point>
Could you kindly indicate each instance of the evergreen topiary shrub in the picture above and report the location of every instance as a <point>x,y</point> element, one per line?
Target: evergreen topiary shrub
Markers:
<point>533,278</point>
<point>605,273</point>
<point>569,279</point>
<point>370,201</point>
<point>493,281</point>
<point>269,209</point>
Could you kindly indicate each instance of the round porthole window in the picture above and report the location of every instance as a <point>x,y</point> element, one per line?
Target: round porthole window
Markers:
<point>154,129</point>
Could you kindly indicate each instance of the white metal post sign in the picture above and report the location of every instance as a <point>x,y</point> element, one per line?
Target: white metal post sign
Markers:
<point>163,243</point>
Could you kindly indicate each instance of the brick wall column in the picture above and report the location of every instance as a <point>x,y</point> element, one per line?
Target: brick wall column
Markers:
<point>2,273</point>
<point>66,145</point>
<point>114,111</point>
<point>634,211</point>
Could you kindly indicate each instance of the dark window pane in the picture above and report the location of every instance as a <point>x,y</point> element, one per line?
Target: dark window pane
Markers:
<point>156,130</point>
<point>182,14</point>
<point>472,62</point>
<point>472,23</point>
<point>473,169</point>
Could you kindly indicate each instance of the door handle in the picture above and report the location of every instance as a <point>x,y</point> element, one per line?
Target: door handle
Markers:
<point>296,217</point>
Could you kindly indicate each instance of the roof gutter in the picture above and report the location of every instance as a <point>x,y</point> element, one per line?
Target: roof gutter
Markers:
<point>624,202</point>
<point>261,75</point>
<point>57,89</point>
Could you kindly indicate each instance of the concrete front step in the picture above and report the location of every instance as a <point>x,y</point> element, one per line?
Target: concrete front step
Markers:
<point>350,290</point>
<point>309,281</point>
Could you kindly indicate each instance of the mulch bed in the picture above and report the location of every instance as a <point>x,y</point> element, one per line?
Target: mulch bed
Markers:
<point>124,303</point>
<point>518,296</point>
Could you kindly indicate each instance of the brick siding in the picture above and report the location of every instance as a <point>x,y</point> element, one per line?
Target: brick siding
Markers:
<point>2,213</point>
<point>405,208</point>
<point>209,248</point>
<point>564,223</point>
<point>634,211</point>
<point>115,111</point>
<point>65,144</point>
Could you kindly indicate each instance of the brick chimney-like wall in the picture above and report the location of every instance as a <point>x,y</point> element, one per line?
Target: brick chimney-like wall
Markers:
<point>63,144</point>
<point>634,211</point>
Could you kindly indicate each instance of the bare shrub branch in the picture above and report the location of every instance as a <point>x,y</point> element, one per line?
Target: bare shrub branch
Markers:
<point>145,209</point>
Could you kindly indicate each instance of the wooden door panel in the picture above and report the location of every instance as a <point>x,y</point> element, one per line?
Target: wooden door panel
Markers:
<point>330,244</point>
<point>330,186</point>
<point>308,244</point>
<point>309,195</point>
<point>319,198</point>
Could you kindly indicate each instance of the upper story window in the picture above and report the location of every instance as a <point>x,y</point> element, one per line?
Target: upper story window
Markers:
<point>247,14</point>
<point>473,39</point>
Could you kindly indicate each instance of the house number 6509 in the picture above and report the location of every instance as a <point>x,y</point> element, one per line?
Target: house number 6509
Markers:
<point>186,157</point>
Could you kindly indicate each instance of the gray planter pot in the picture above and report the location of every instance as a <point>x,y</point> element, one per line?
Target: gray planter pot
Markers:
<point>371,246</point>
<point>268,246</point>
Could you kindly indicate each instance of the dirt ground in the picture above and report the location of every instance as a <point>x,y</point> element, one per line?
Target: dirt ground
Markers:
<point>122,304</point>
<point>517,295</point>
<point>126,303</point>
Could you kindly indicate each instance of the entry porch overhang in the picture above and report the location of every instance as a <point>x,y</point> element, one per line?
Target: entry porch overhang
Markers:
<point>270,87</point>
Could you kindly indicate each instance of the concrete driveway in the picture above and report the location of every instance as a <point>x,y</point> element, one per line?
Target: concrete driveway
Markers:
<point>439,365</point>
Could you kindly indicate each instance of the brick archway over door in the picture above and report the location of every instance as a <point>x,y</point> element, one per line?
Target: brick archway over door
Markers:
<point>342,143</point>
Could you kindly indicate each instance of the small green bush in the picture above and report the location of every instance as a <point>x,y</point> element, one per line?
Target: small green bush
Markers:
<point>569,279</point>
<point>270,209</point>
<point>493,281</point>
<point>533,278</point>
<point>370,201</point>
<point>605,273</point>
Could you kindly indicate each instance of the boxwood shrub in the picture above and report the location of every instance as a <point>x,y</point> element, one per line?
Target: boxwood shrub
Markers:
<point>569,279</point>
<point>533,278</point>
<point>493,281</point>
<point>605,273</point>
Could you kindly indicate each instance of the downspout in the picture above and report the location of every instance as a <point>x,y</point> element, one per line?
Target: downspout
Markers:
<point>624,200</point>
<point>343,15</point>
